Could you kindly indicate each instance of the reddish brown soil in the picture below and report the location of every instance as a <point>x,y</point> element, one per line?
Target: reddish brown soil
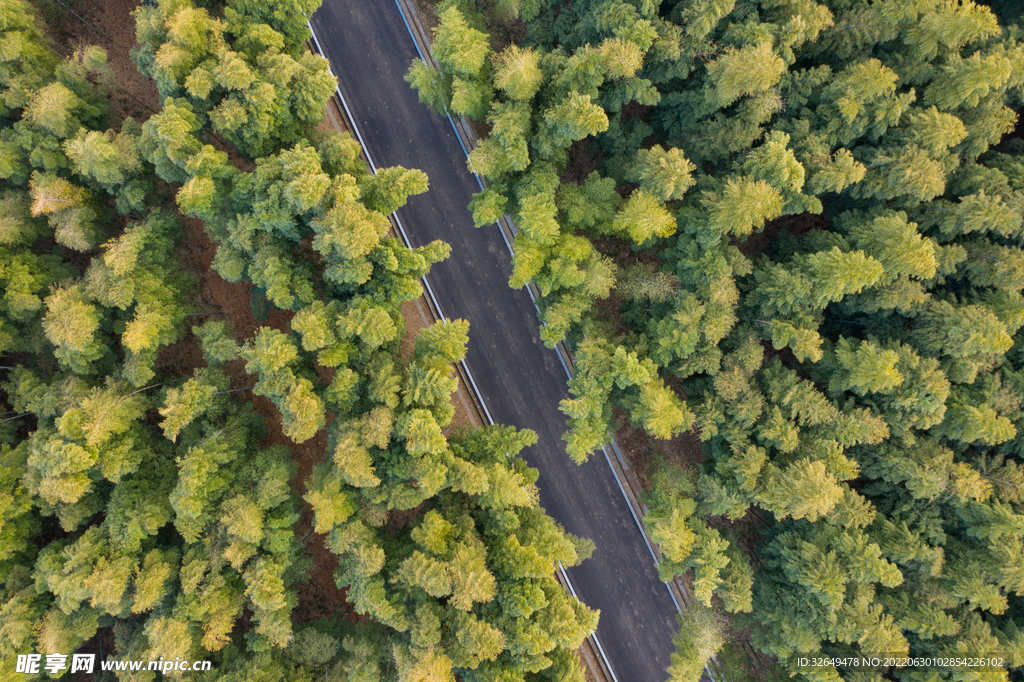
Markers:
<point>636,110</point>
<point>108,24</point>
<point>582,160</point>
<point>643,451</point>
<point>511,33</point>
<point>588,674</point>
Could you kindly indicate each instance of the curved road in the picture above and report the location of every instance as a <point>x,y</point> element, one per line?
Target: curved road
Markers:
<point>520,381</point>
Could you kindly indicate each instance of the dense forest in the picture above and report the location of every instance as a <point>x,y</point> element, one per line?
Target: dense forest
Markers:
<point>791,229</point>
<point>145,509</point>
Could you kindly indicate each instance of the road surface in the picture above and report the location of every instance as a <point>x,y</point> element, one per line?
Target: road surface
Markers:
<point>519,379</point>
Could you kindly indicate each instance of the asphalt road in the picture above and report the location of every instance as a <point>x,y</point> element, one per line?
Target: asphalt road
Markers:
<point>520,380</point>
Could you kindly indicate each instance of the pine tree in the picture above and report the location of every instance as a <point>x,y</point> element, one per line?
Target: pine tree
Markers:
<point>865,368</point>
<point>183,405</point>
<point>25,51</point>
<point>266,93</point>
<point>510,124</point>
<point>430,84</point>
<point>573,119</point>
<point>53,108</point>
<point>700,637</point>
<point>642,218</point>
<point>961,331</point>
<point>747,71</point>
<point>741,207</point>
<point>153,580</point>
<point>966,81</point>
<point>460,49</point>
<point>218,346</point>
<point>665,174</point>
<point>804,489</point>
<point>517,72</point>
<point>660,411</point>
<point>169,140</point>
<point>270,357</point>
<point>101,156</point>
<point>67,209</point>
<point>388,190</point>
<point>71,324</point>
<point>285,18</point>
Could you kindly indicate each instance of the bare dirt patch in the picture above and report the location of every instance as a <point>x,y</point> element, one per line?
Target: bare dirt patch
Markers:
<point>582,160</point>
<point>109,25</point>
<point>643,451</point>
